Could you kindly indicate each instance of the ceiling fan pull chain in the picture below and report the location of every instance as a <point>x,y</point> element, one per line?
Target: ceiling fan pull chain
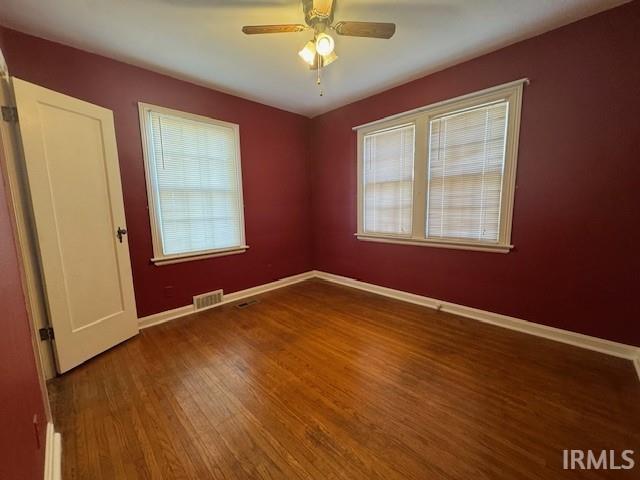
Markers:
<point>319,83</point>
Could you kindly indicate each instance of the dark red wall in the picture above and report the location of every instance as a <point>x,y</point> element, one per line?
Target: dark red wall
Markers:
<point>22,457</point>
<point>274,167</point>
<point>576,229</point>
<point>576,224</point>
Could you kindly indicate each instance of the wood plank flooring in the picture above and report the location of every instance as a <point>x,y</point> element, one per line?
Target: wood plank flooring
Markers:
<point>318,381</point>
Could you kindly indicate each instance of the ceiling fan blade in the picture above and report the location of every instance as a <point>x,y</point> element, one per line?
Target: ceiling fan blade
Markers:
<point>365,29</point>
<point>286,28</point>
<point>323,7</point>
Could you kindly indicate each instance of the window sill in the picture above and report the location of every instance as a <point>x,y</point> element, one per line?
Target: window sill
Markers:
<point>480,247</point>
<point>168,260</point>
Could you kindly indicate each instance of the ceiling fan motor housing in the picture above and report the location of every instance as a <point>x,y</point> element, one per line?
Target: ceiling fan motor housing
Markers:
<point>316,19</point>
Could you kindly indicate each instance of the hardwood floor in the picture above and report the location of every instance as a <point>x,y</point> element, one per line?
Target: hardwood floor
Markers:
<point>318,381</point>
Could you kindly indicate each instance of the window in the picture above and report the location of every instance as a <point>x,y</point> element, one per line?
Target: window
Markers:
<point>194,185</point>
<point>388,180</point>
<point>466,161</point>
<point>442,175</point>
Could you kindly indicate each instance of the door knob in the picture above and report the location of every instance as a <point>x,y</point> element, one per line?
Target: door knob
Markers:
<point>120,233</point>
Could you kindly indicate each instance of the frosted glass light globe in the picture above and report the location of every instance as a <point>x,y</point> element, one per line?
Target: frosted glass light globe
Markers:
<point>324,44</point>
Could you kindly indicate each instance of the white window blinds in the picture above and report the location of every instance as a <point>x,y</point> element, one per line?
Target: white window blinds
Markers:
<point>195,179</point>
<point>388,180</point>
<point>443,175</point>
<point>466,165</point>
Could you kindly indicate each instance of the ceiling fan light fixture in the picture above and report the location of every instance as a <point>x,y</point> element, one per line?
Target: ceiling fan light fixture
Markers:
<point>325,44</point>
<point>308,53</point>
<point>327,59</point>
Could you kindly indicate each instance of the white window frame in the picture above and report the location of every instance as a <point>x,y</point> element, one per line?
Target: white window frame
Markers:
<point>159,258</point>
<point>421,118</point>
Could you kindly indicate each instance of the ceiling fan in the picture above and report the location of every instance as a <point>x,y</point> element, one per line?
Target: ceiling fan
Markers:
<point>318,16</point>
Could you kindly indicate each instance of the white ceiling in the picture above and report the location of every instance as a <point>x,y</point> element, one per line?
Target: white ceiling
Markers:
<point>201,41</point>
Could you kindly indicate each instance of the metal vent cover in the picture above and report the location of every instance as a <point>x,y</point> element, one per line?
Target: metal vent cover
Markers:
<point>207,300</point>
<point>247,303</point>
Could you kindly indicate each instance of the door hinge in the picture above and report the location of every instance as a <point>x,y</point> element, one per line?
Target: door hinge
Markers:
<point>46,333</point>
<point>9,114</point>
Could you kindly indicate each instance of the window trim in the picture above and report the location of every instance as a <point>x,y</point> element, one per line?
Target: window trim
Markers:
<point>421,118</point>
<point>159,258</point>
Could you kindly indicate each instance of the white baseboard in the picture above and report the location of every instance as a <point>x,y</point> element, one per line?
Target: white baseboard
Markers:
<point>163,317</point>
<point>576,339</point>
<point>608,347</point>
<point>53,454</point>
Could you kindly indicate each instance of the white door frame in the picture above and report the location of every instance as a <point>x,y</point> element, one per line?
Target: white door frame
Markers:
<point>28,258</point>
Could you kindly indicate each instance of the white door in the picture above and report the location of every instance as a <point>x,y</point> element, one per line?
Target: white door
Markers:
<point>74,180</point>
